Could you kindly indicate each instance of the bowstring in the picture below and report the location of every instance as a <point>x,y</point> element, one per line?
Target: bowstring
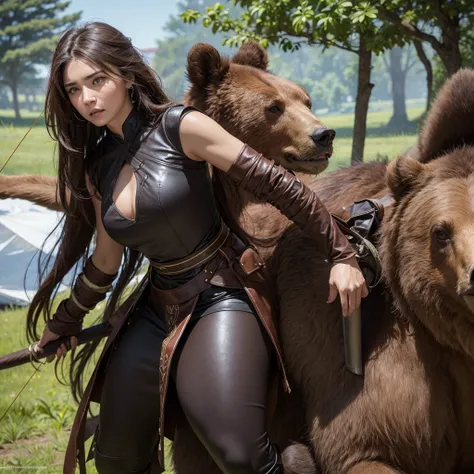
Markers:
<point>24,136</point>
<point>1,169</point>
<point>24,386</point>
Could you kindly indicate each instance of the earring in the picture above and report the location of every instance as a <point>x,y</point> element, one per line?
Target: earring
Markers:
<point>133,98</point>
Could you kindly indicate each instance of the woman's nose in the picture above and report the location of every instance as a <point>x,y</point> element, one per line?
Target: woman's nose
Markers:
<point>88,96</point>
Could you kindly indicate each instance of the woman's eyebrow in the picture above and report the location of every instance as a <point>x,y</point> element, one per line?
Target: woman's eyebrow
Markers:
<point>87,77</point>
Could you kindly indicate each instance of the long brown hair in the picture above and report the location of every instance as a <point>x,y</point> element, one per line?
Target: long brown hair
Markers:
<point>104,46</point>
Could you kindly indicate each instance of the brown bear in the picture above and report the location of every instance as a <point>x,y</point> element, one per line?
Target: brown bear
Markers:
<point>271,114</point>
<point>412,410</point>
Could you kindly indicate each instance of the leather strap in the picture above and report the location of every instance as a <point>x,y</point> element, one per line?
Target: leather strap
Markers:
<point>196,259</point>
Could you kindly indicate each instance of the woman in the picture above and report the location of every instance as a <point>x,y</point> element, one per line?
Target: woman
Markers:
<point>134,168</point>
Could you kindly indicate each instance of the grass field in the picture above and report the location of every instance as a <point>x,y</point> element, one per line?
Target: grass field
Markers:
<point>36,154</point>
<point>35,431</point>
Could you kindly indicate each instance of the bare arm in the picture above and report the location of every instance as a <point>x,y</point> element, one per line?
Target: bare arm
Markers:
<point>203,139</point>
<point>107,255</point>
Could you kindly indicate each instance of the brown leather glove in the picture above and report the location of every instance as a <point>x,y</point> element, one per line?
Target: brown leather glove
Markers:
<point>275,184</point>
<point>89,289</point>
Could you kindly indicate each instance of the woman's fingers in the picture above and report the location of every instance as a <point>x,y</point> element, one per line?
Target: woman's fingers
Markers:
<point>344,295</point>
<point>62,349</point>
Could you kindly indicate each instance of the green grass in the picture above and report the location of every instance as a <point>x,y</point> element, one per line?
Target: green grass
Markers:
<point>36,430</point>
<point>378,142</point>
<point>36,154</point>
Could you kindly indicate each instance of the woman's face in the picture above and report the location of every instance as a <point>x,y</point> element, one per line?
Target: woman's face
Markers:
<point>98,97</point>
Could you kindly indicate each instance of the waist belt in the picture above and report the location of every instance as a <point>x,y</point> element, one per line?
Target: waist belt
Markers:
<point>194,260</point>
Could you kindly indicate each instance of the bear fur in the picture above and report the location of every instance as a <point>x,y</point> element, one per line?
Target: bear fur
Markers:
<point>412,411</point>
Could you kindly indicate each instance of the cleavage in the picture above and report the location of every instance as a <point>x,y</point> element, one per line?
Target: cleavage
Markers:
<point>125,192</point>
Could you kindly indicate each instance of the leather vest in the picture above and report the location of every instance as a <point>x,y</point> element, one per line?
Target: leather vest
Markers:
<point>175,209</point>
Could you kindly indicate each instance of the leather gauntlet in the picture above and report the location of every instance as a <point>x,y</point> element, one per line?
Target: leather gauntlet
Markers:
<point>275,184</point>
<point>89,289</point>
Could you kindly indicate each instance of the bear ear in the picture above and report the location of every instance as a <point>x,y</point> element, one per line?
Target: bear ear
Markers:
<point>402,174</point>
<point>205,65</point>
<point>252,54</point>
<point>449,121</point>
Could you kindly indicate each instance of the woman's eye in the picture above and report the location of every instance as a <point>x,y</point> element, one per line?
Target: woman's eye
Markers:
<point>72,90</point>
<point>98,80</point>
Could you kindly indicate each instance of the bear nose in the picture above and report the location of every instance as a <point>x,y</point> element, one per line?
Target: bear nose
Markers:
<point>323,136</point>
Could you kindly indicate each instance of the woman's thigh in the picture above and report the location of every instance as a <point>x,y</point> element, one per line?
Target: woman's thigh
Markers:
<point>221,377</point>
<point>129,407</point>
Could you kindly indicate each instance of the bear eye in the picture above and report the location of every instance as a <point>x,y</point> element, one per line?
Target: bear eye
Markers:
<point>441,234</point>
<point>275,109</point>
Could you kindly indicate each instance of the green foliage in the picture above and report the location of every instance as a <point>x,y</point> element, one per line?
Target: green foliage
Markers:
<point>59,414</point>
<point>291,23</point>
<point>28,34</point>
<point>170,60</point>
<point>29,31</point>
<point>440,24</point>
<point>15,427</point>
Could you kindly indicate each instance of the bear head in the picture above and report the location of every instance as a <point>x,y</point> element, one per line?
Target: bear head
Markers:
<point>427,245</point>
<point>271,114</point>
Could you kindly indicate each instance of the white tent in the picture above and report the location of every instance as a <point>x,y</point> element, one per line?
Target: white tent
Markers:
<point>24,228</point>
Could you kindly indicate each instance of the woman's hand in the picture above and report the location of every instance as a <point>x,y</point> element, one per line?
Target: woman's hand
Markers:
<point>347,280</point>
<point>49,336</point>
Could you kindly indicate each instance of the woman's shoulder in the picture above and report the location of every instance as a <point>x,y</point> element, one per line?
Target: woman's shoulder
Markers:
<point>175,113</point>
<point>172,118</point>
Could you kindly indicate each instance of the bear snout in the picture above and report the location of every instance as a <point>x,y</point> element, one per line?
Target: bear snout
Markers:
<point>323,138</point>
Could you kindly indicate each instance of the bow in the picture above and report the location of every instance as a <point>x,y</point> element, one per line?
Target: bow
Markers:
<point>32,354</point>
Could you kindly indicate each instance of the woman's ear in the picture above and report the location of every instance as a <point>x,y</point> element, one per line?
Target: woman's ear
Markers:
<point>129,81</point>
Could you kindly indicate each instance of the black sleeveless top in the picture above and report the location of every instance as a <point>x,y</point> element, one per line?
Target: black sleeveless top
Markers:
<point>175,209</point>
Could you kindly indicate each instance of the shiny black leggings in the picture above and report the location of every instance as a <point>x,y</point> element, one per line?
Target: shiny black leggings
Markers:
<point>221,377</point>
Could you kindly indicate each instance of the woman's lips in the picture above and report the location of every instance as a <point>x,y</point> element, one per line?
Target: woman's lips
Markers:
<point>96,113</point>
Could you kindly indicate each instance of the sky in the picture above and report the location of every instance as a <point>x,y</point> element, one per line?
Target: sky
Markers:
<point>141,20</point>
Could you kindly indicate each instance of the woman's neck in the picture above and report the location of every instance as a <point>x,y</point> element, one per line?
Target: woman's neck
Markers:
<point>116,124</point>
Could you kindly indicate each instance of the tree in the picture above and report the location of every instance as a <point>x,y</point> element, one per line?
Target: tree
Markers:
<point>351,26</point>
<point>30,85</point>
<point>398,65</point>
<point>28,34</point>
<point>447,17</point>
<point>423,57</point>
<point>170,59</point>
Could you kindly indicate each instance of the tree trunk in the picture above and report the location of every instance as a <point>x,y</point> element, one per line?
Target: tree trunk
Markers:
<point>450,53</point>
<point>399,120</point>
<point>16,105</point>
<point>364,89</point>
<point>451,61</point>
<point>27,99</point>
<point>429,72</point>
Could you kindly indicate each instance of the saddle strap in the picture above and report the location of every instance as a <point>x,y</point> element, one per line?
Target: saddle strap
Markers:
<point>360,227</point>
